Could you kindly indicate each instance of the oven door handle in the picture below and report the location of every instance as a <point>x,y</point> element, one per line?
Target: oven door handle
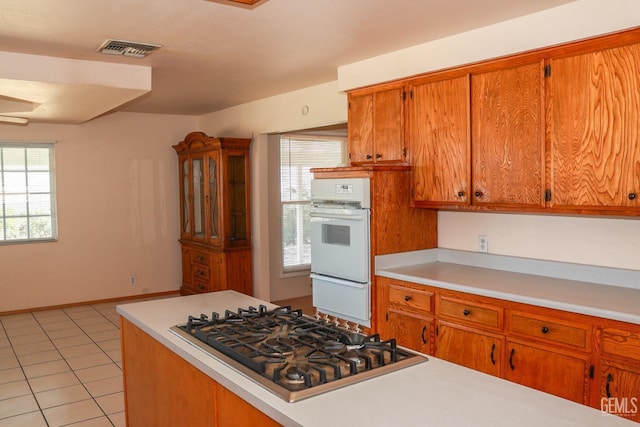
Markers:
<point>353,217</point>
<point>339,281</point>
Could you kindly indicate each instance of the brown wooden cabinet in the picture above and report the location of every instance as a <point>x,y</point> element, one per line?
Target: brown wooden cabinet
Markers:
<point>559,372</point>
<point>215,223</point>
<point>507,139</point>
<point>619,379</point>
<point>376,125</point>
<point>409,314</point>
<point>473,348</point>
<point>594,129</point>
<point>162,389</point>
<point>439,134</point>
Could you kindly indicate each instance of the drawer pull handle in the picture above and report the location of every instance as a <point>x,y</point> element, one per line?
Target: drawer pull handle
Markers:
<point>200,258</point>
<point>407,298</point>
<point>609,380</point>
<point>466,312</point>
<point>460,193</point>
<point>201,273</point>
<point>544,330</point>
<point>368,156</point>
<point>632,196</point>
<point>378,156</point>
<point>424,337</point>
<point>201,287</point>
<point>478,193</point>
<point>513,351</point>
<point>493,348</point>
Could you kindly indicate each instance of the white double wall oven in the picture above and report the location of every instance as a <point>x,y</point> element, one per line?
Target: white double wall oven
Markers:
<point>340,248</point>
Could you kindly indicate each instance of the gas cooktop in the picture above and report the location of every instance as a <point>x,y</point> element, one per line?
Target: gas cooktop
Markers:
<point>293,355</point>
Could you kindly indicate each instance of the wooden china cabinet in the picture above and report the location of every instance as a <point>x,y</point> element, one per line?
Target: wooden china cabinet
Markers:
<point>215,223</point>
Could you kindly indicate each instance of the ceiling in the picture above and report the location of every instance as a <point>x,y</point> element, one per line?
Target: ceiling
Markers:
<point>214,55</point>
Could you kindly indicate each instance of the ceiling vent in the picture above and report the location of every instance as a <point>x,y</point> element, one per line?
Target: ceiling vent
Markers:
<point>127,48</point>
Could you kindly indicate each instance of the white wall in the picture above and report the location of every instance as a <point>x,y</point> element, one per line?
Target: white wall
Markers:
<point>118,214</point>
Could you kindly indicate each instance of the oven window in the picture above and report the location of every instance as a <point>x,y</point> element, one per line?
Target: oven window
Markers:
<point>333,234</point>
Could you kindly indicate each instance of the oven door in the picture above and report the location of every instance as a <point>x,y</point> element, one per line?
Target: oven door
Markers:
<point>340,243</point>
<point>342,298</point>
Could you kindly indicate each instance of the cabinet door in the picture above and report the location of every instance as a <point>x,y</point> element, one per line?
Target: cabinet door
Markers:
<point>469,347</point>
<point>360,128</point>
<point>439,135</point>
<point>236,219</point>
<point>213,199</point>
<point>620,390</point>
<point>563,374</point>
<point>198,200</point>
<point>411,330</point>
<point>594,128</point>
<point>507,138</point>
<point>185,196</point>
<point>388,125</point>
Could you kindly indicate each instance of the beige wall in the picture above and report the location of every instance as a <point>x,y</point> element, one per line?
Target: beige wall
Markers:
<point>117,195</point>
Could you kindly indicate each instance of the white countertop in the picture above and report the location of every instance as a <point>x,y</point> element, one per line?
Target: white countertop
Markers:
<point>435,393</point>
<point>542,289</point>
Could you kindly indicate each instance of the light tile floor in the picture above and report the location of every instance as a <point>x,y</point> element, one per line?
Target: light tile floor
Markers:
<point>62,367</point>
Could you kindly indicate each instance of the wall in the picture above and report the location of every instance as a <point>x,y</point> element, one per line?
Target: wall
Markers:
<point>282,113</point>
<point>117,195</point>
<point>600,241</point>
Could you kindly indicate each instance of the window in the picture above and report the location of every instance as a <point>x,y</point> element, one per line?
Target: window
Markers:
<point>298,154</point>
<point>27,193</point>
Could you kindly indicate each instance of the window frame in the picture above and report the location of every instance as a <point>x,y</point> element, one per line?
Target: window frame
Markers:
<point>53,214</point>
<point>299,269</point>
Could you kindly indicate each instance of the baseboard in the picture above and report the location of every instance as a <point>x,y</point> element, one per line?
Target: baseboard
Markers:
<point>100,301</point>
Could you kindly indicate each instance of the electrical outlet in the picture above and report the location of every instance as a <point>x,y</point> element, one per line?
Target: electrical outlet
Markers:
<point>133,280</point>
<point>483,244</point>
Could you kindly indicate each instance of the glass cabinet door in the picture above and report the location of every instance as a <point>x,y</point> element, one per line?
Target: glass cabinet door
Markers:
<point>185,216</point>
<point>238,203</point>
<point>197,164</point>
<point>213,198</point>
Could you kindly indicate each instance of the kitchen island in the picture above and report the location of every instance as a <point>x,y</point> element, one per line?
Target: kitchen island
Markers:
<point>434,393</point>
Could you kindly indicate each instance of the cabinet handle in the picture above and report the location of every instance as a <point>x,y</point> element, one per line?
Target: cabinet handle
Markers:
<point>424,338</point>
<point>606,387</point>
<point>493,348</point>
<point>200,272</point>
<point>513,351</point>
<point>478,194</point>
<point>201,287</point>
<point>544,330</point>
<point>378,156</point>
<point>632,196</point>
<point>200,258</point>
<point>407,298</point>
<point>368,156</point>
<point>466,312</point>
<point>460,193</point>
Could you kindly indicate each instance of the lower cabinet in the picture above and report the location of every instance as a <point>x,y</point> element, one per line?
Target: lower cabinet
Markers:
<point>620,389</point>
<point>563,374</point>
<point>411,330</point>
<point>474,349</point>
<point>162,389</point>
<point>586,359</point>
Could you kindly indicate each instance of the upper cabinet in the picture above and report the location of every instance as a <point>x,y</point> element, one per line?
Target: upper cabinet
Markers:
<point>507,141</point>
<point>594,129</point>
<point>439,134</point>
<point>376,125</point>
<point>477,138</point>
<point>555,130</point>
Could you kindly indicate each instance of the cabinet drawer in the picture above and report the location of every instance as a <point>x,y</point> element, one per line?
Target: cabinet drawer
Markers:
<point>200,273</point>
<point>621,343</point>
<point>472,312</point>
<point>201,258</point>
<point>404,298</point>
<point>549,330</point>
<point>200,286</point>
